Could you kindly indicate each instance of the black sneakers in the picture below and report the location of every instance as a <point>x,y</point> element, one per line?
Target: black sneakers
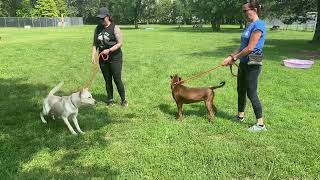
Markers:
<point>238,118</point>
<point>110,102</point>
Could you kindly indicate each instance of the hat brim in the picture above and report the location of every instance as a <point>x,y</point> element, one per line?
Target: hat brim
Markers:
<point>101,16</point>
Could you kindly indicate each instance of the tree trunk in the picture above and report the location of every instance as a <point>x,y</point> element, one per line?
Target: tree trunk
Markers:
<point>219,25</point>
<point>215,24</point>
<point>136,26</point>
<point>316,37</point>
<point>241,24</point>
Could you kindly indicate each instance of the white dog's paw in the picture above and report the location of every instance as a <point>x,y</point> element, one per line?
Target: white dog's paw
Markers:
<point>81,132</point>
<point>42,119</point>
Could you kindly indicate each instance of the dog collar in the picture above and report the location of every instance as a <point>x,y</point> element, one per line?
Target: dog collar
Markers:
<point>72,102</point>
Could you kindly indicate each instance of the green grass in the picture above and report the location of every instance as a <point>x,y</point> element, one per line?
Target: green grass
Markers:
<point>145,141</point>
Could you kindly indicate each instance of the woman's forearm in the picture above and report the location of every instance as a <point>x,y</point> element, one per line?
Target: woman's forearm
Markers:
<point>115,47</point>
<point>242,53</point>
<point>235,52</point>
<point>94,51</point>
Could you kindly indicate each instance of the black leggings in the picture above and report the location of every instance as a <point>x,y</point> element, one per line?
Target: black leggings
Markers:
<point>247,86</point>
<point>109,71</point>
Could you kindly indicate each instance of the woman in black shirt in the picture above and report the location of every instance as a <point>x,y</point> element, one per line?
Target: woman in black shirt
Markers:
<point>108,41</point>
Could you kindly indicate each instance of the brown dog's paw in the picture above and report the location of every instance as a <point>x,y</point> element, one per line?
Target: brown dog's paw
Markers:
<point>179,118</point>
<point>211,119</point>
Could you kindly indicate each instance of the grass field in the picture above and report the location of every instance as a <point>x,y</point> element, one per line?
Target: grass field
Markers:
<point>145,141</point>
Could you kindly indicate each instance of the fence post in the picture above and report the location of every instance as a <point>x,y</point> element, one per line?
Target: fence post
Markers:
<point>5,22</point>
<point>316,20</point>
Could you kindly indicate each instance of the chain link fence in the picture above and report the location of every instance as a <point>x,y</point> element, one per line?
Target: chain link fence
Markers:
<point>310,25</point>
<point>26,22</point>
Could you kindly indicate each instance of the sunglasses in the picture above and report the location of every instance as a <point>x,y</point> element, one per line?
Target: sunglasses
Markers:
<point>245,10</point>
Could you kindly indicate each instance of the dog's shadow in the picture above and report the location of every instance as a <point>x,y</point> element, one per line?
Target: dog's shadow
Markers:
<point>196,109</point>
<point>22,130</point>
<point>102,98</point>
<point>99,97</point>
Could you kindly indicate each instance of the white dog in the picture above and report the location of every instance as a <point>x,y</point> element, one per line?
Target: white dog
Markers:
<point>66,106</point>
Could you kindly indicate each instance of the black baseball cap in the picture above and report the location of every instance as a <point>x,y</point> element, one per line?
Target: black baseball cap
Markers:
<point>103,12</point>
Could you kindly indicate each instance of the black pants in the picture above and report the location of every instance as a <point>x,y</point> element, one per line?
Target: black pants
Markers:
<point>112,71</point>
<point>247,86</point>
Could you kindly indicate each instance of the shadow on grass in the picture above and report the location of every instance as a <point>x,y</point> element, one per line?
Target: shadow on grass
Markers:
<point>200,30</point>
<point>23,136</point>
<point>196,109</point>
<point>79,172</point>
<point>274,50</point>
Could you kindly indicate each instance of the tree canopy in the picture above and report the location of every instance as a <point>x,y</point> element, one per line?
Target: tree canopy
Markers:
<point>214,12</point>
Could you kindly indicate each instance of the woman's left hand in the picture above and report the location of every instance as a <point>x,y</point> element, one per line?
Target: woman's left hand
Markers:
<point>105,51</point>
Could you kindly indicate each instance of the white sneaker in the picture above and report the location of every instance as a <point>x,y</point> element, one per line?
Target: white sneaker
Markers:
<point>257,128</point>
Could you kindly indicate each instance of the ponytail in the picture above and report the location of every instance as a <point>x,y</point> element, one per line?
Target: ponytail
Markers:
<point>255,4</point>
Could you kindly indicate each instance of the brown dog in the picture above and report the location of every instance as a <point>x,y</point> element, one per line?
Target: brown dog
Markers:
<point>185,95</point>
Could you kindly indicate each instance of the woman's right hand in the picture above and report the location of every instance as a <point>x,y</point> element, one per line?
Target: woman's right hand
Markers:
<point>228,61</point>
<point>94,60</point>
<point>94,55</point>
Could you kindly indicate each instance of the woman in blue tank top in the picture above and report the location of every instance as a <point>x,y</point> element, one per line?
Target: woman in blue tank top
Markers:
<point>252,42</point>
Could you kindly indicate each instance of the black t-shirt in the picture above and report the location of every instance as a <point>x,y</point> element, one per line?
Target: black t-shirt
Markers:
<point>105,38</point>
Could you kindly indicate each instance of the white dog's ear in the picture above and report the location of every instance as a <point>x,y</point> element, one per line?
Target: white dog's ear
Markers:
<point>80,93</point>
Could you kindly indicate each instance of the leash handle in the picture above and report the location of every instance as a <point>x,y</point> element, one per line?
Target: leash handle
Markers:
<point>235,75</point>
<point>101,55</point>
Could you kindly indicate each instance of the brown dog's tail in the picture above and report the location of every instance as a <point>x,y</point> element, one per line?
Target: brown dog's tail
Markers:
<point>221,84</point>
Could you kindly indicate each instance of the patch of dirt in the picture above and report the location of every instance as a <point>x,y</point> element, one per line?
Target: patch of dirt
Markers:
<point>308,54</point>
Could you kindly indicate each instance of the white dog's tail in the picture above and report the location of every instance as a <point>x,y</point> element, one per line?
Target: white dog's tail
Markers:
<point>55,89</point>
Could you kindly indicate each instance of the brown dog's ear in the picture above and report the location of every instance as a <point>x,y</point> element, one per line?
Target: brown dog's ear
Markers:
<point>171,77</point>
<point>179,78</point>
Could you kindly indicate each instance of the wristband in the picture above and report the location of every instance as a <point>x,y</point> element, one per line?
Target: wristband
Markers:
<point>233,59</point>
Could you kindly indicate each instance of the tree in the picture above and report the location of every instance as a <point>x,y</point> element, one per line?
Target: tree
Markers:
<point>3,9</point>
<point>186,10</point>
<point>72,8</point>
<point>45,8</point>
<point>293,10</point>
<point>62,7</point>
<point>316,37</point>
<point>210,10</point>
<point>25,10</point>
<point>164,12</point>
<point>9,7</point>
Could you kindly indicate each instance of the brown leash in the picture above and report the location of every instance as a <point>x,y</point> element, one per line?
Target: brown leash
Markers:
<point>95,69</point>
<point>204,73</point>
<point>235,75</point>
